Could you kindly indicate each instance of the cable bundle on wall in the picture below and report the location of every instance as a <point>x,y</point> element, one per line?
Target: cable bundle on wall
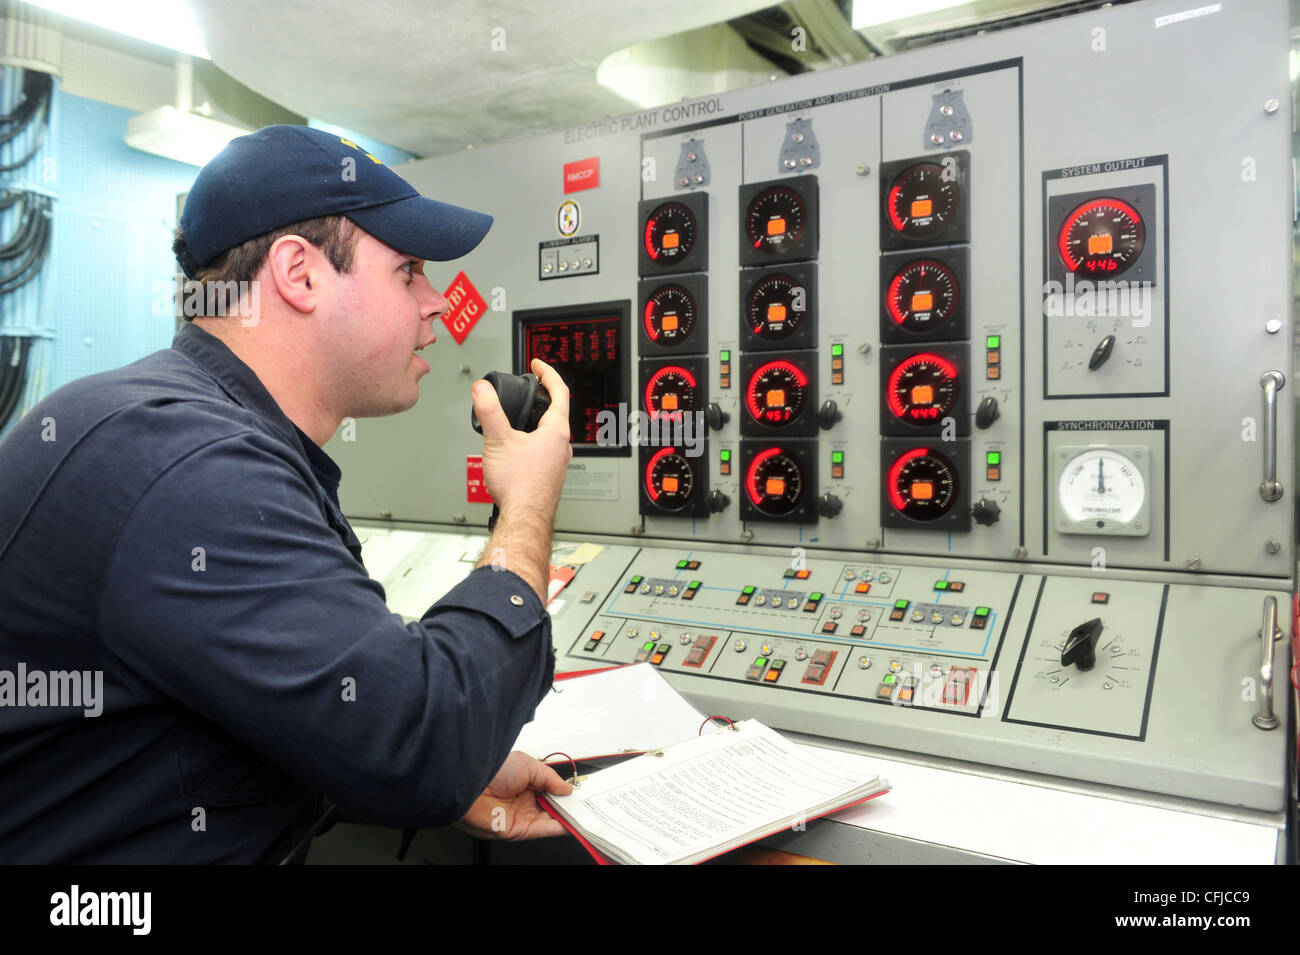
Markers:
<point>28,210</point>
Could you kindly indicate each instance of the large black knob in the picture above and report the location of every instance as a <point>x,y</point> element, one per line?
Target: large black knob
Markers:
<point>986,512</point>
<point>1101,352</point>
<point>828,505</point>
<point>716,416</point>
<point>1081,645</point>
<point>828,414</point>
<point>717,502</point>
<point>986,413</point>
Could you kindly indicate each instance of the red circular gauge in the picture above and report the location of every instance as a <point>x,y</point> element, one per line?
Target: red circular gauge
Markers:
<point>669,233</point>
<point>776,306</point>
<point>669,479</point>
<point>670,391</point>
<point>922,484</point>
<point>669,315</point>
<point>775,219</point>
<point>922,296</point>
<point>776,393</point>
<point>774,482</point>
<point>1103,236</point>
<point>921,201</point>
<point>922,389</point>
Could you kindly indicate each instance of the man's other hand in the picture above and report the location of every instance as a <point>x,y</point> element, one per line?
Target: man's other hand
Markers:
<point>508,808</point>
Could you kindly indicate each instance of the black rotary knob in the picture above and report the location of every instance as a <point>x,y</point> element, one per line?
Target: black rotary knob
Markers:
<point>1081,645</point>
<point>828,414</point>
<point>986,512</point>
<point>717,502</point>
<point>716,416</point>
<point>986,413</point>
<point>828,505</point>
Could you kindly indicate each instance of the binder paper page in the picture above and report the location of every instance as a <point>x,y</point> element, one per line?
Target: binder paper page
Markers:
<point>718,790</point>
<point>625,709</point>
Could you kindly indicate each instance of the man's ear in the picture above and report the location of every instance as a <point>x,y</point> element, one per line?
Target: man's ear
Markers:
<point>291,262</point>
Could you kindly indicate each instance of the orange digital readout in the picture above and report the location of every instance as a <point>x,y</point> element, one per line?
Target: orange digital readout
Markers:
<point>922,490</point>
<point>775,487</point>
<point>670,322</point>
<point>670,484</point>
<point>776,398</point>
<point>922,302</point>
<point>668,402</point>
<point>1099,244</point>
<point>776,226</point>
<point>920,207</point>
<point>923,394</point>
<point>670,240</point>
<point>776,312</point>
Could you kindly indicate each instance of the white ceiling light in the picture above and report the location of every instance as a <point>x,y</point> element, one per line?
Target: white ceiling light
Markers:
<point>870,13</point>
<point>166,23</point>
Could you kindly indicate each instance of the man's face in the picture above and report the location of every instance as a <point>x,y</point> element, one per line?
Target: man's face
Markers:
<point>383,311</point>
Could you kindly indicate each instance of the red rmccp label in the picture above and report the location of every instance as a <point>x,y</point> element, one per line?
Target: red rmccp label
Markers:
<point>582,174</point>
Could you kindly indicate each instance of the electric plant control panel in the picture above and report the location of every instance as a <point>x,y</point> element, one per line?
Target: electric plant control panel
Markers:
<point>929,365</point>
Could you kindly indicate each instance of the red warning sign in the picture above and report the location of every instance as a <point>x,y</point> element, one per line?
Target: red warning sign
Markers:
<point>467,307</point>
<point>475,489</point>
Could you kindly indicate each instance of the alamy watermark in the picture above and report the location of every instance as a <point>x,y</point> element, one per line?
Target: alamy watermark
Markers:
<point>1084,298</point>
<point>663,429</point>
<point>212,299</point>
<point>71,688</point>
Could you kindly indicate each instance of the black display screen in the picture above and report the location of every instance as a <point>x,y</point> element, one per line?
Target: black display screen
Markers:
<point>589,350</point>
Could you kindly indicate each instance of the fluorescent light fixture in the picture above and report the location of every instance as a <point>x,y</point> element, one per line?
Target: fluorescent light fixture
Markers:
<point>184,137</point>
<point>166,23</point>
<point>870,13</point>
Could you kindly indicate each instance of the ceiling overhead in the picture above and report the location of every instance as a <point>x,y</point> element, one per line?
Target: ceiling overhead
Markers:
<point>434,78</point>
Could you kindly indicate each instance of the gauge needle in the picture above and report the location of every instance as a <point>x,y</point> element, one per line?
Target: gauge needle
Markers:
<point>1101,479</point>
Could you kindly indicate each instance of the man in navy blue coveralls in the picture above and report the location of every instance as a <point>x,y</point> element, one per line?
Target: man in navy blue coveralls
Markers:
<point>173,528</point>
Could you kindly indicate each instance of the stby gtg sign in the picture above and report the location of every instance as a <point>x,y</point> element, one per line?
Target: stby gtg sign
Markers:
<point>467,307</point>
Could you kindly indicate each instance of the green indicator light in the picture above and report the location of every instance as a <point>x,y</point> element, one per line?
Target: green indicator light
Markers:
<point>693,585</point>
<point>995,341</point>
<point>890,679</point>
<point>788,574</point>
<point>648,646</point>
<point>725,455</point>
<point>900,604</point>
<point>981,611</point>
<point>815,597</point>
<point>941,585</point>
<point>994,457</point>
<point>681,565</point>
<point>837,350</point>
<point>725,355</point>
<point>636,580</point>
<point>837,457</point>
<point>761,662</point>
<point>778,664</point>
<point>748,590</point>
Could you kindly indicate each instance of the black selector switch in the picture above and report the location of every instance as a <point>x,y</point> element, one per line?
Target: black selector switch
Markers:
<point>717,502</point>
<point>986,413</point>
<point>828,505</point>
<point>1081,645</point>
<point>828,414</point>
<point>716,416</point>
<point>986,512</point>
<point>1101,352</point>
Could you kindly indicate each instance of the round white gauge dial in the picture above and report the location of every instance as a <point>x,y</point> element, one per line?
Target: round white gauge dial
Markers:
<point>1102,486</point>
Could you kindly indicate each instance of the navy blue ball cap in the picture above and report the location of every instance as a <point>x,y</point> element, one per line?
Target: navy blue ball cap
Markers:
<point>286,174</point>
